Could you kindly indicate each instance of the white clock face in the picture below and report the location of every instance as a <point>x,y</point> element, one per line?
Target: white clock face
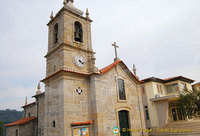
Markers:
<point>79,61</point>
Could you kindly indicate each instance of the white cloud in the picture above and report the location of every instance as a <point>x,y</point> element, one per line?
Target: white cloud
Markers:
<point>13,96</point>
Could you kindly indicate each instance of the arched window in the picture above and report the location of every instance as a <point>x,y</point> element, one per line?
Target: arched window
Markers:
<point>78,32</point>
<point>124,123</point>
<point>55,34</point>
<point>121,89</point>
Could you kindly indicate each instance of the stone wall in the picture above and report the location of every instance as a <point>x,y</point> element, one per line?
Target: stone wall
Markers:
<point>75,104</point>
<point>11,130</point>
<point>107,103</point>
<point>28,129</point>
<point>41,114</point>
<point>54,107</point>
<point>30,109</point>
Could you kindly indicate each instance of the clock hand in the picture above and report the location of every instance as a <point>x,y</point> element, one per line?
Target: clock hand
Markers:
<point>81,62</point>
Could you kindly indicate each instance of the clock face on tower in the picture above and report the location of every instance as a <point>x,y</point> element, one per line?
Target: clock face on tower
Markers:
<point>79,61</point>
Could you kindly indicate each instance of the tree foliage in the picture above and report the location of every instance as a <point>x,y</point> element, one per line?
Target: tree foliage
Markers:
<point>189,103</point>
<point>7,116</point>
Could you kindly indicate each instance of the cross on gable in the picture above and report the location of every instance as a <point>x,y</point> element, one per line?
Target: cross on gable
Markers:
<point>115,46</point>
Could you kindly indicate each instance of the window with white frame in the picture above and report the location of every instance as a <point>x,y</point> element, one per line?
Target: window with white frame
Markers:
<point>173,88</point>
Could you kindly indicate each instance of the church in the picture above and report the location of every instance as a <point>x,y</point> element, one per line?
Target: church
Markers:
<point>80,99</point>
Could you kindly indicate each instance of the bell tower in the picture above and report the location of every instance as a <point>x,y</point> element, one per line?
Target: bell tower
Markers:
<point>69,41</point>
<point>70,60</point>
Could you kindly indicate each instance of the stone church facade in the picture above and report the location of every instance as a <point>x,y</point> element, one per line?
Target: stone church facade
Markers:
<point>80,99</point>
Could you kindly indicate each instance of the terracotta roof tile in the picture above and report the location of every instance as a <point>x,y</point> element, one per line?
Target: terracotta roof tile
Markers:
<point>81,123</point>
<point>21,121</point>
<point>109,67</point>
<point>104,70</point>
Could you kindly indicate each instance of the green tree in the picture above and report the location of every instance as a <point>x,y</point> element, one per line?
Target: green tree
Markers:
<point>1,128</point>
<point>189,103</point>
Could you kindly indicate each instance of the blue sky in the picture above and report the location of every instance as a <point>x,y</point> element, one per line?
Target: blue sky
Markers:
<point>160,36</point>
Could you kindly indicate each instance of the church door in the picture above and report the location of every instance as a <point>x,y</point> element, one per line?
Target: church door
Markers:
<point>124,123</point>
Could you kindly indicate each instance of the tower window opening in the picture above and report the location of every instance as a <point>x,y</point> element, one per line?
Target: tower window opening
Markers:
<point>54,124</point>
<point>78,33</point>
<point>55,33</point>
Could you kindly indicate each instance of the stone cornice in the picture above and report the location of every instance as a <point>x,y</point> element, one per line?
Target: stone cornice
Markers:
<point>56,74</point>
<point>64,9</point>
<point>68,45</point>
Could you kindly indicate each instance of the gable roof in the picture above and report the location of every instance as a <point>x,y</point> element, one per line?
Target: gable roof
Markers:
<point>37,95</point>
<point>122,64</point>
<point>171,79</point>
<point>33,103</point>
<point>21,121</point>
<point>155,79</point>
<point>109,67</point>
<point>179,78</point>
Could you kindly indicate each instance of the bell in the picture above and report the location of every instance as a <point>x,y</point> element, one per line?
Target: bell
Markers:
<point>77,37</point>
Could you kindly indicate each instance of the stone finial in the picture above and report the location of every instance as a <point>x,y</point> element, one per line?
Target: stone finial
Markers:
<point>70,0</point>
<point>87,14</point>
<point>26,101</point>
<point>51,15</point>
<point>134,69</point>
<point>65,2</point>
<point>38,87</point>
<point>69,5</point>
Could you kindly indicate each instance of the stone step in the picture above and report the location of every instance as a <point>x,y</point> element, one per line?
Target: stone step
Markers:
<point>191,128</point>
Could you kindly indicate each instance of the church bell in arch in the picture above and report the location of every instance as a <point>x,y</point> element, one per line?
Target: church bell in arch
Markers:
<point>77,36</point>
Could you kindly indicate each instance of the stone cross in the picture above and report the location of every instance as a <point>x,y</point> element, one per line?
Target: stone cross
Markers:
<point>115,46</point>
